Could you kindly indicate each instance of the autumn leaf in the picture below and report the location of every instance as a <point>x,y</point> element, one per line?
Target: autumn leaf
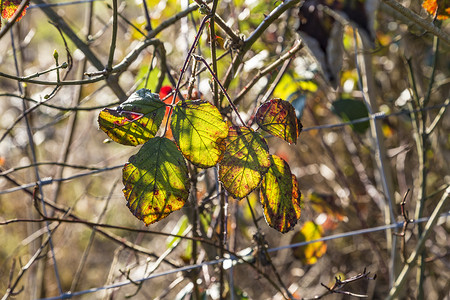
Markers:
<point>156,180</point>
<point>438,8</point>
<point>135,121</point>
<point>310,253</point>
<point>325,205</point>
<point>9,7</point>
<point>278,117</point>
<point>199,131</point>
<point>280,196</point>
<point>245,161</point>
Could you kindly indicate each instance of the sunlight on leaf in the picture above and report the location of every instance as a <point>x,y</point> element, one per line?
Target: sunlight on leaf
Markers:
<point>135,121</point>
<point>309,254</point>
<point>278,118</point>
<point>156,180</point>
<point>245,161</point>
<point>199,131</point>
<point>280,196</point>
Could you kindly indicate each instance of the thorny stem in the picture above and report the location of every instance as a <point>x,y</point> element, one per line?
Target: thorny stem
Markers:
<point>183,70</point>
<point>406,221</point>
<point>221,86</point>
<point>212,37</point>
<point>188,59</point>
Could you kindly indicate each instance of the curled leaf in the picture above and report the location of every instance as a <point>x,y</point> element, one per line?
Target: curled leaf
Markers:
<point>280,196</point>
<point>135,121</point>
<point>278,117</point>
<point>199,131</point>
<point>156,180</point>
<point>245,161</point>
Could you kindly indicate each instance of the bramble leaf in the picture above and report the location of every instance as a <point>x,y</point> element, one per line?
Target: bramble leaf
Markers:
<point>278,117</point>
<point>156,180</point>
<point>199,131</point>
<point>309,253</point>
<point>245,161</point>
<point>135,121</point>
<point>280,196</point>
<point>9,7</point>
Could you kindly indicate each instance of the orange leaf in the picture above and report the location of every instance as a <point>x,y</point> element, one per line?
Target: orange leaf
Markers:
<point>437,7</point>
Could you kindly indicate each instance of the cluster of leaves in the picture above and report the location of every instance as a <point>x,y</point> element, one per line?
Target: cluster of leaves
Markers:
<point>156,179</point>
<point>9,7</point>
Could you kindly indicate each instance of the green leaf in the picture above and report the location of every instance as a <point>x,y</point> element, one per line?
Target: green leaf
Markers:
<point>278,117</point>
<point>309,253</point>
<point>135,121</point>
<point>245,161</point>
<point>156,180</point>
<point>280,196</point>
<point>351,109</point>
<point>199,131</point>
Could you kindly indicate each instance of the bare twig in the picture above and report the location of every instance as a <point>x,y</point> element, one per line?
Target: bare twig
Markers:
<point>340,284</point>
<point>197,57</point>
<point>412,260</point>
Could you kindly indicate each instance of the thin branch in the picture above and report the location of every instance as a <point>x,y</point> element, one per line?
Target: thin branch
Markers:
<point>113,37</point>
<point>270,68</point>
<point>197,57</point>
<point>406,221</point>
<point>412,260</point>
<point>339,284</point>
